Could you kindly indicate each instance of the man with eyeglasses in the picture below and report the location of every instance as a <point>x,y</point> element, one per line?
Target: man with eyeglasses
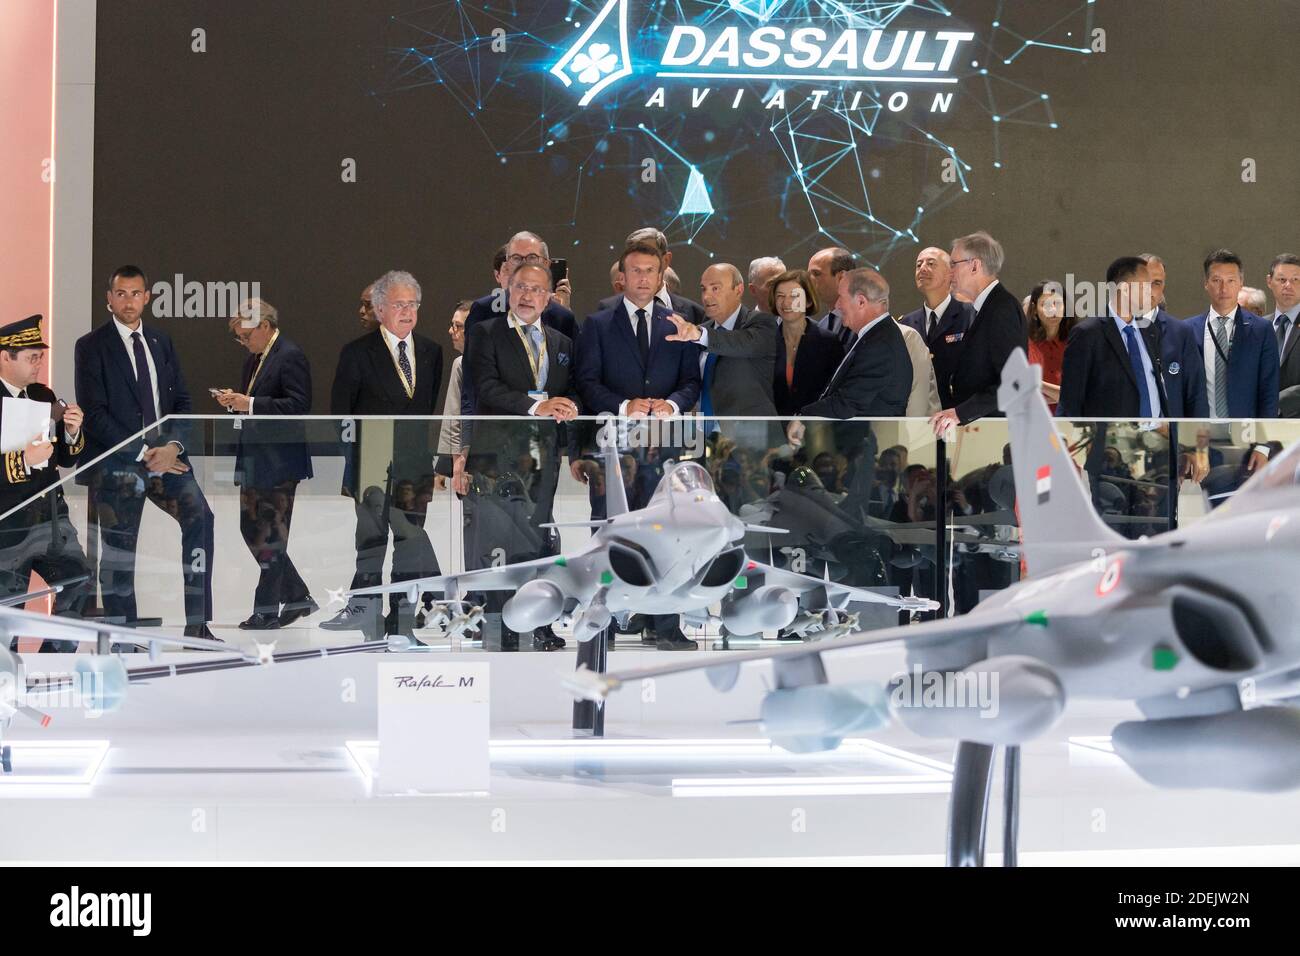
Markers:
<point>129,380</point>
<point>38,536</point>
<point>396,372</point>
<point>997,328</point>
<point>1284,282</point>
<point>525,370</point>
<point>524,248</point>
<point>271,459</point>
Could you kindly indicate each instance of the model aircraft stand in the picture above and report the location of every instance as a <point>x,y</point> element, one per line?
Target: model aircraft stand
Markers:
<point>589,715</point>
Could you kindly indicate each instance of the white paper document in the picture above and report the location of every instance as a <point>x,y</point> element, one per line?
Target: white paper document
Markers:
<point>21,421</point>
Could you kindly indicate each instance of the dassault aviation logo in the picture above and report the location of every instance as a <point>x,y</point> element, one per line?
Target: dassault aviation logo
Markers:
<point>808,50</point>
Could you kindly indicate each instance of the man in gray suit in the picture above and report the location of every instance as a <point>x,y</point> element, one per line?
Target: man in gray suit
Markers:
<point>1284,283</point>
<point>738,355</point>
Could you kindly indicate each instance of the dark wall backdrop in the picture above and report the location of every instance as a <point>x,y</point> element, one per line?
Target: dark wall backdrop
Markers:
<point>225,165</point>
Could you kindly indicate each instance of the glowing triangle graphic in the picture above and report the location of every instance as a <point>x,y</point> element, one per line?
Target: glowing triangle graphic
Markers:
<point>696,202</point>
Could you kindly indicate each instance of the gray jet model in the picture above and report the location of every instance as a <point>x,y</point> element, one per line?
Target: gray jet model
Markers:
<point>1199,627</point>
<point>681,553</point>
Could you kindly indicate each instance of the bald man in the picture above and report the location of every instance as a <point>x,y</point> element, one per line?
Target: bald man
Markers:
<point>738,348</point>
<point>942,320</point>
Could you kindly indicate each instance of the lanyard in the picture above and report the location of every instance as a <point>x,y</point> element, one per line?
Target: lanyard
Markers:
<point>1209,325</point>
<point>262,361</point>
<point>535,364</point>
<point>408,387</point>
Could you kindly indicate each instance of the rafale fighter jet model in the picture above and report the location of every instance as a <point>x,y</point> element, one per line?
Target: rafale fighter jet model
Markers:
<point>100,680</point>
<point>1199,627</point>
<point>681,553</point>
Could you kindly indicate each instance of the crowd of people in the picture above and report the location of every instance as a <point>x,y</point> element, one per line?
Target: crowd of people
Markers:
<point>784,347</point>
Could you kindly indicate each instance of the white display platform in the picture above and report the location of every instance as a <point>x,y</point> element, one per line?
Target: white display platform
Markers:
<point>275,764</point>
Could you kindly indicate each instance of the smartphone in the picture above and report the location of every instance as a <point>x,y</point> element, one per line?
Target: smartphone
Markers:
<point>214,392</point>
<point>559,271</point>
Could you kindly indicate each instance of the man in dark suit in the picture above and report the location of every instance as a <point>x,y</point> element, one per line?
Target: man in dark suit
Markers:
<point>875,378</point>
<point>1284,283</point>
<point>522,369</point>
<point>627,367</point>
<point>825,268</point>
<point>738,356</point>
<point>1184,374</point>
<point>392,371</point>
<point>942,320</point>
<point>271,459</point>
<point>1113,367</point>
<point>38,536</point>
<point>691,311</point>
<point>128,379</point>
<point>997,328</point>
<point>1239,348</point>
<point>524,248</point>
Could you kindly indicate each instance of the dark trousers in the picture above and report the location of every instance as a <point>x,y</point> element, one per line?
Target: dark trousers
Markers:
<point>264,521</point>
<point>121,500</point>
<point>413,554</point>
<point>40,538</point>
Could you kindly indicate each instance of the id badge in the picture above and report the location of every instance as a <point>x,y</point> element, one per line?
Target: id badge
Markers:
<point>538,396</point>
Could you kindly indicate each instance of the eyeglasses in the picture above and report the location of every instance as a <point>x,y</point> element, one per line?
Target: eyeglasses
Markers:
<point>957,262</point>
<point>532,259</point>
<point>404,306</point>
<point>528,289</point>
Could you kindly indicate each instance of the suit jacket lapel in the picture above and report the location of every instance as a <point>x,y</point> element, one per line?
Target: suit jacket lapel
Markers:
<point>623,320</point>
<point>1293,336</point>
<point>948,322</point>
<point>386,370</point>
<point>272,356</point>
<point>1116,342</point>
<point>117,348</point>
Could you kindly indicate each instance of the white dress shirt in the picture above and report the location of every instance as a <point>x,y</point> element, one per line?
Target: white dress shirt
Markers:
<point>391,341</point>
<point>983,297</point>
<point>938,314</point>
<point>126,334</point>
<point>662,298</point>
<point>1211,354</point>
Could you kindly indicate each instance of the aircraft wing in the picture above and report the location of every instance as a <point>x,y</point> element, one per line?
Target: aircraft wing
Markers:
<point>586,684</point>
<point>508,577</point>
<point>802,582</point>
<point>16,623</point>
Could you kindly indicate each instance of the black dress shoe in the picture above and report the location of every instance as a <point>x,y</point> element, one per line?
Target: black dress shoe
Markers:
<point>296,609</point>
<point>201,631</point>
<point>543,643</point>
<point>257,621</point>
<point>354,617</point>
<point>676,641</point>
<point>548,635</point>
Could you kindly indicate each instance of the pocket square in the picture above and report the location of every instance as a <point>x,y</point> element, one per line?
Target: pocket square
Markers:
<point>562,358</point>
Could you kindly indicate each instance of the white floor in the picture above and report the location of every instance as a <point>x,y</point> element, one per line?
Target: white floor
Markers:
<point>256,765</point>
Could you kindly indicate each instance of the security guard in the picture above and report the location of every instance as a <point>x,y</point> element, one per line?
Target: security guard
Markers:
<point>35,533</point>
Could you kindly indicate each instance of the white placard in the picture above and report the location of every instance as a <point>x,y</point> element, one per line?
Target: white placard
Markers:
<point>434,723</point>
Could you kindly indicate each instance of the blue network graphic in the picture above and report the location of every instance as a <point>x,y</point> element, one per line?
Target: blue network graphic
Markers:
<point>574,85</point>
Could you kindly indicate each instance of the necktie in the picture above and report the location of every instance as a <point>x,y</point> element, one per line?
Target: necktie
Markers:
<point>930,323</point>
<point>706,394</point>
<point>1283,324</point>
<point>22,393</point>
<point>843,362</point>
<point>1220,367</point>
<point>843,331</point>
<point>642,335</point>
<point>1139,371</point>
<point>535,346</point>
<point>143,382</point>
<point>404,363</point>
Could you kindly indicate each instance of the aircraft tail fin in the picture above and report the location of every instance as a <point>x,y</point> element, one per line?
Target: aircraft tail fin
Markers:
<point>1059,524</point>
<point>615,493</point>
